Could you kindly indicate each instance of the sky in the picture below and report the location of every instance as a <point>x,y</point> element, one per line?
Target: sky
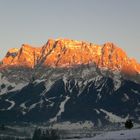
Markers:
<point>97,21</point>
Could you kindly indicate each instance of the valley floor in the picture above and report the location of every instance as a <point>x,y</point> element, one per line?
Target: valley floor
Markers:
<point>133,134</point>
<point>22,132</point>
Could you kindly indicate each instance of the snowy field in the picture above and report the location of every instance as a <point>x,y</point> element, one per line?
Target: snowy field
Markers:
<point>133,134</point>
<point>75,134</point>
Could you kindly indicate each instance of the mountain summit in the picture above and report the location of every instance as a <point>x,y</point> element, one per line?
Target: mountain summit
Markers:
<point>70,53</point>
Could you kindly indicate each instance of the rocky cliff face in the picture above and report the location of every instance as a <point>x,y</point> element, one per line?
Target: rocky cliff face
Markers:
<point>70,53</point>
<point>25,56</point>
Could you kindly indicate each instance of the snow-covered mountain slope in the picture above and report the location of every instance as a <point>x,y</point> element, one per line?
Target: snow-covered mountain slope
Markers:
<point>63,96</point>
<point>68,80</point>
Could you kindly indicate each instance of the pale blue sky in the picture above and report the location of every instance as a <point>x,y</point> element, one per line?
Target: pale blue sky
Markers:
<point>97,21</point>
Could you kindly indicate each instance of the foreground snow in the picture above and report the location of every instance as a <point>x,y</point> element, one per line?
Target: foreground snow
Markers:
<point>133,134</point>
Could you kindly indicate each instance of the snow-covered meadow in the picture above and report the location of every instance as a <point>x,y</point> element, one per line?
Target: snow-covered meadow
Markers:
<point>133,134</point>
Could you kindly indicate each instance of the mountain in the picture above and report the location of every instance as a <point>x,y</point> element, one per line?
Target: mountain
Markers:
<point>68,53</point>
<point>69,80</point>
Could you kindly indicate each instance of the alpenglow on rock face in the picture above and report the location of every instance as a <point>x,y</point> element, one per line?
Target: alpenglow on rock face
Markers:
<point>69,80</point>
<point>69,53</point>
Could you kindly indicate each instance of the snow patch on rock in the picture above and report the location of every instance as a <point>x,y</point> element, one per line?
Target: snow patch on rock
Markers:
<point>62,109</point>
<point>112,117</point>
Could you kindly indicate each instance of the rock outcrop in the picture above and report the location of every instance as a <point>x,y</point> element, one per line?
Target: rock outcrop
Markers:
<point>70,53</point>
